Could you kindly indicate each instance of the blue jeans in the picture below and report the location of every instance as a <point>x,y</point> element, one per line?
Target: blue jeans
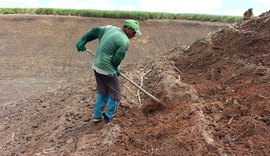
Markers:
<point>109,95</point>
<point>111,108</point>
<point>102,101</point>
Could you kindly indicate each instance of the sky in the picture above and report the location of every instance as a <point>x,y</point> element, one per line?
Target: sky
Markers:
<point>214,7</point>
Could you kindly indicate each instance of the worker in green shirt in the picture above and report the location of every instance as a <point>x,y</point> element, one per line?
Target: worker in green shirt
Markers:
<point>248,14</point>
<point>111,50</point>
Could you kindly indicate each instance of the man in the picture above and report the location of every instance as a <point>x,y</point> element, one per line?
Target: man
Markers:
<point>248,14</point>
<point>111,50</point>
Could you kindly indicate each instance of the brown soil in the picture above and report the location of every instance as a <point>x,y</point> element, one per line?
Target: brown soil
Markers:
<point>215,93</point>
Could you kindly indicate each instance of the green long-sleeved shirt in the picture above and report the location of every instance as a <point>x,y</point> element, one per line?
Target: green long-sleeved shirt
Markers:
<point>113,44</point>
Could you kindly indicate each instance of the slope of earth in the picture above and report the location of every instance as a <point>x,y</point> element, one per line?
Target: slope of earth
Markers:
<point>37,53</point>
<point>230,73</point>
<point>215,101</point>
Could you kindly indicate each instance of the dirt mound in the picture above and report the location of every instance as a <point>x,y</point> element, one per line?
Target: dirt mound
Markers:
<point>215,101</point>
<point>230,72</point>
<point>215,96</point>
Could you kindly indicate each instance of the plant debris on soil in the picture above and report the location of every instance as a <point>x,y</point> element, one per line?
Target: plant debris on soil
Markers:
<point>215,101</point>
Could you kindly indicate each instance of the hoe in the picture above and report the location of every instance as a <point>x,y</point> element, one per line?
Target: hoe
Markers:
<point>125,77</point>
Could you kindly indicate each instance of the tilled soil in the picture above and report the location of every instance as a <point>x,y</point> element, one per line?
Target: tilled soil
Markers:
<point>215,101</point>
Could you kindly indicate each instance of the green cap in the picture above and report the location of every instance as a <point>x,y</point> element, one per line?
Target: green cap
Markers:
<point>132,24</point>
